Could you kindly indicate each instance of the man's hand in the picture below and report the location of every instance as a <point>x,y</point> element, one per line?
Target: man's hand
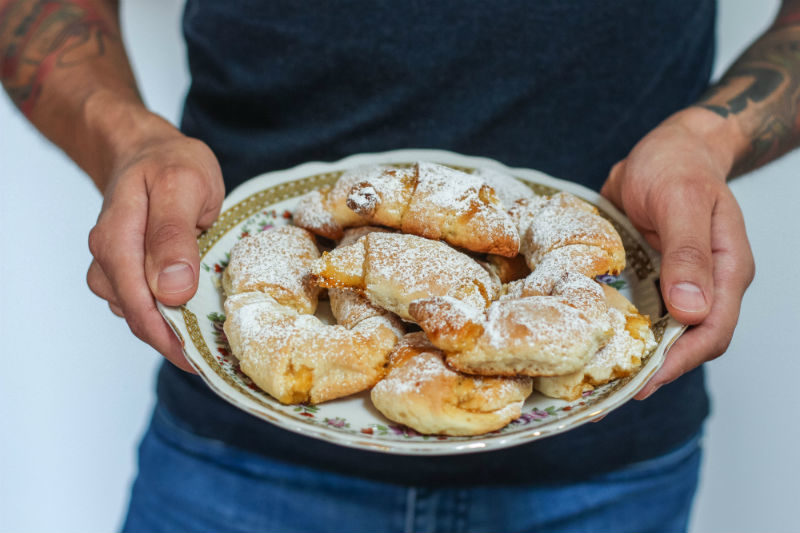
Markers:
<point>161,193</point>
<point>64,65</point>
<point>672,187</point>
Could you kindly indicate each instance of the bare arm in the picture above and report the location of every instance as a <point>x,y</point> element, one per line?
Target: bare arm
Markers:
<point>64,65</point>
<point>759,95</point>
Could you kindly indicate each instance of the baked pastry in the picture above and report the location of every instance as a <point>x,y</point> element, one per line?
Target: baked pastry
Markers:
<point>296,358</point>
<point>324,211</point>
<point>421,392</point>
<point>509,189</point>
<point>286,351</point>
<point>507,269</point>
<point>546,224</point>
<point>544,335</point>
<point>437,202</point>
<point>348,306</point>
<point>276,262</point>
<point>623,353</point>
<point>591,261</point>
<point>393,269</point>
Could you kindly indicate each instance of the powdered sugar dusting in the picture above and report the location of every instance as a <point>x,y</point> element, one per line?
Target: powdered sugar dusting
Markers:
<point>363,200</point>
<point>561,221</point>
<point>590,261</point>
<point>276,261</point>
<point>312,214</point>
<point>448,189</point>
<point>508,189</point>
<point>537,323</point>
<point>413,376</point>
<point>415,267</point>
<point>447,314</point>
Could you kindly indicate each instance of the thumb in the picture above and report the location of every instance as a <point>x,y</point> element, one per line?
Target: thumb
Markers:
<point>684,230</point>
<point>172,259</point>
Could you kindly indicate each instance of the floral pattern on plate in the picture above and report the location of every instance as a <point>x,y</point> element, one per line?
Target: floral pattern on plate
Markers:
<point>268,201</point>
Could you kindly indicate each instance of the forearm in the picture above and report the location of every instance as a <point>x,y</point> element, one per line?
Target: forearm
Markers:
<point>757,101</point>
<point>63,64</point>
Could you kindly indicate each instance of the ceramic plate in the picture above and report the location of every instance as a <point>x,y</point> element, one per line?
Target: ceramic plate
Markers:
<point>269,200</point>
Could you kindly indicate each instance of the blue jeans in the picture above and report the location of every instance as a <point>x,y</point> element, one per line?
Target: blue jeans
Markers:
<point>191,483</point>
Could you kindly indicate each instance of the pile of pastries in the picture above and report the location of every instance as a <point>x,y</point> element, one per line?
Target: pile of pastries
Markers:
<point>455,295</point>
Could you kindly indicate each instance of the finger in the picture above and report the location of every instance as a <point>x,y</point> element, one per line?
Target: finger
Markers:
<point>610,189</point>
<point>733,272</point>
<point>683,223</point>
<point>99,284</point>
<point>120,254</point>
<point>117,310</point>
<point>178,206</point>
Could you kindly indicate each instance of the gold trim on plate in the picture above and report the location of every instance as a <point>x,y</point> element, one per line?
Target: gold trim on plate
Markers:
<point>638,261</point>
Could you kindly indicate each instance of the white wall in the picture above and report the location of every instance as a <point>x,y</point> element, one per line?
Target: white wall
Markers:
<point>77,387</point>
<point>749,477</point>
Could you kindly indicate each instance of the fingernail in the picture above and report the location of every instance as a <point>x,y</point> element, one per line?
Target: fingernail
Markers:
<point>177,277</point>
<point>687,296</point>
<point>651,392</point>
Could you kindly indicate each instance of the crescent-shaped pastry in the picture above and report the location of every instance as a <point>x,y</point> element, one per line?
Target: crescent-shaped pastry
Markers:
<point>324,211</point>
<point>421,392</point>
<point>393,269</point>
<point>297,358</point>
<point>544,335</point>
<point>623,353</point>
<point>546,224</point>
<point>437,202</point>
<point>509,189</point>
<point>275,262</point>
<point>286,351</point>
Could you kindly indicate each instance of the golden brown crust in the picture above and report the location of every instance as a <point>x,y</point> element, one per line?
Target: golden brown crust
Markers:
<point>276,262</point>
<point>285,350</point>
<point>438,202</point>
<point>508,269</point>
<point>324,211</point>
<point>394,269</point>
<point>546,224</point>
<point>421,392</point>
<point>620,357</point>
<point>532,336</point>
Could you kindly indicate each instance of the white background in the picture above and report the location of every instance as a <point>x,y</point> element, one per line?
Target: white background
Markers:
<point>76,387</point>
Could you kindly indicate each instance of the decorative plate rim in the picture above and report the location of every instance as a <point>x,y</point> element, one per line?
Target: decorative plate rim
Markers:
<point>181,322</point>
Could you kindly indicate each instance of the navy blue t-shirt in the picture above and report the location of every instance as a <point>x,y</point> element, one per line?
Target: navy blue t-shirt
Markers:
<point>563,86</point>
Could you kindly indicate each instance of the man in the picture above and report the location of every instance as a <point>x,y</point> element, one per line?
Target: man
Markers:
<point>567,89</point>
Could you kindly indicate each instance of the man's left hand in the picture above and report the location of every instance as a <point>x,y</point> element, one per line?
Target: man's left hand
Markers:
<point>672,186</point>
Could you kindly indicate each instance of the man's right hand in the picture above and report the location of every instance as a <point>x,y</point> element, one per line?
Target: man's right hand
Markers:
<point>65,66</point>
<point>161,193</point>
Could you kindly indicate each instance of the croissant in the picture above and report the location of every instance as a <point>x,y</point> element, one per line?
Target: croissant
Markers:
<point>287,352</point>
<point>276,262</point>
<point>296,358</point>
<point>393,269</point>
<point>437,202</point>
<point>631,340</point>
<point>421,392</point>
<point>350,307</point>
<point>324,211</point>
<point>540,335</point>
<point>509,190</point>
<point>548,223</point>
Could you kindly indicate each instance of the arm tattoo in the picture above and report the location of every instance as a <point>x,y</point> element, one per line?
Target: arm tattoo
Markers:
<point>39,36</point>
<point>762,89</point>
